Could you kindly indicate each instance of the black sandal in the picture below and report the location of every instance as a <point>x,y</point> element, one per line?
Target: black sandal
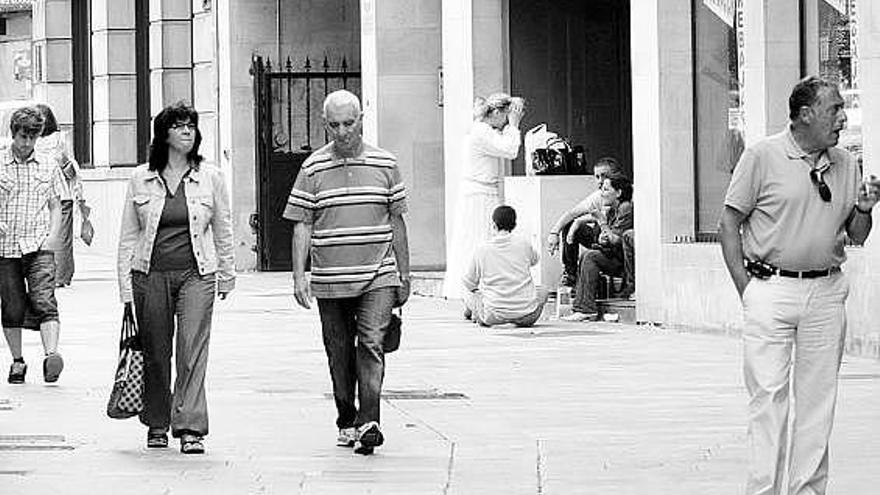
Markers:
<point>191,444</point>
<point>157,439</point>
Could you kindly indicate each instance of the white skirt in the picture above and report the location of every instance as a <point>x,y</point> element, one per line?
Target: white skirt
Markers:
<point>472,227</point>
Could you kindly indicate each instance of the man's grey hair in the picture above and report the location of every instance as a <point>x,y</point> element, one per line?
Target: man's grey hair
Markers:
<point>805,93</point>
<point>340,98</point>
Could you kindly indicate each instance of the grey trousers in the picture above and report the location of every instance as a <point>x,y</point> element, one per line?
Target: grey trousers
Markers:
<point>159,299</point>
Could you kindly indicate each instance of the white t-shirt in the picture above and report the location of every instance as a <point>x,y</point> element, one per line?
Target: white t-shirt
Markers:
<point>500,270</point>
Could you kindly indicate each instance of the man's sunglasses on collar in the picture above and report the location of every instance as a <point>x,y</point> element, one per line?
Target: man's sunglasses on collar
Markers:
<point>819,182</point>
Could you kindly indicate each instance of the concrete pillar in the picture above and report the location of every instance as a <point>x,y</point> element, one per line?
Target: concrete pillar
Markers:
<point>52,44</point>
<point>114,108</point>
<point>647,45</point>
<point>771,65</point>
<point>869,81</point>
<point>204,75</point>
<point>400,59</point>
<point>171,53</point>
<point>474,63</point>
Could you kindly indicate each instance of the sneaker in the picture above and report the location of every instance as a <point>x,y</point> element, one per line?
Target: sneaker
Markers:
<point>52,366</point>
<point>347,437</point>
<point>17,372</point>
<point>369,437</point>
<point>578,316</point>
<point>468,314</point>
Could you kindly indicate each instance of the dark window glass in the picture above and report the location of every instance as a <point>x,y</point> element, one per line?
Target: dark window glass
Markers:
<point>717,104</point>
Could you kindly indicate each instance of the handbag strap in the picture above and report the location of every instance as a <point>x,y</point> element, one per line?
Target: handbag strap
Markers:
<point>129,326</point>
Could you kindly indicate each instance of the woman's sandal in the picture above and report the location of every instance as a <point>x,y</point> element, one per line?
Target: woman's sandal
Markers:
<point>191,444</point>
<point>157,439</point>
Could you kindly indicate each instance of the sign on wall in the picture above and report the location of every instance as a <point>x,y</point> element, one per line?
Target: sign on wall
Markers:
<point>838,5</point>
<point>724,9</point>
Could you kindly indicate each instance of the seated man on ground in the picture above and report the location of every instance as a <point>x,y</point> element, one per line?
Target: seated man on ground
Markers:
<point>613,254</point>
<point>498,281</point>
<point>580,225</point>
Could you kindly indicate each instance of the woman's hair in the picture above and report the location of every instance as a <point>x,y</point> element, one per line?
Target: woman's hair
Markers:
<point>621,183</point>
<point>170,115</point>
<point>494,102</point>
<point>50,125</point>
<point>28,120</point>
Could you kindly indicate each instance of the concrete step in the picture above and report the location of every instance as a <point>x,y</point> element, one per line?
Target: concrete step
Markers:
<point>625,309</point>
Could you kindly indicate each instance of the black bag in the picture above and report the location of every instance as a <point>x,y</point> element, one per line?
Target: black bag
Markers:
<point>126,399</point>
<point>391,342</point>
<point>553,158</point>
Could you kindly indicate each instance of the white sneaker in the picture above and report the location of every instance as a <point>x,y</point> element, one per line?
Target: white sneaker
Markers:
<point>577,316</point>
<point>347,437</point>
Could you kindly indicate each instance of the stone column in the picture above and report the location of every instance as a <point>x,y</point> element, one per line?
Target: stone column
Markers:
<point>204,76</point>
<point>869,81</point>
<point>400,59</point>
<point>474,47</point>
<point>171,53</point>
<point>52,43</point>
<point>771,65</point>
<point>647,98</point>
<point>114,107</point>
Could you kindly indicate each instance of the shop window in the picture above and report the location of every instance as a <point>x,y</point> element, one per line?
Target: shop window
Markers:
<point>839,62</point>
<point>718,105</point>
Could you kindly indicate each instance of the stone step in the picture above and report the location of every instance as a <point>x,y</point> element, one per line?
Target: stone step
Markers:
<point>625,309</point>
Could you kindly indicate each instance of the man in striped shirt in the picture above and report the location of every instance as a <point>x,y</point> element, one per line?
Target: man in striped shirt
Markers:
<point>347,205</point>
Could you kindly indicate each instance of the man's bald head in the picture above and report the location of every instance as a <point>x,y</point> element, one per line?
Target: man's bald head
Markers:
<point>341,99</point>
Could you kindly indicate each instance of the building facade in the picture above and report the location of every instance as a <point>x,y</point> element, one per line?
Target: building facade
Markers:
<point>673,88</point>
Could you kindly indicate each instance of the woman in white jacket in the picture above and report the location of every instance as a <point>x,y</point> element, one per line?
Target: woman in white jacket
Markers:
<point>493,138</point>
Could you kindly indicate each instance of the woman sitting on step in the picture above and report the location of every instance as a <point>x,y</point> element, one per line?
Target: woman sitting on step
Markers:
<point>613,254</point>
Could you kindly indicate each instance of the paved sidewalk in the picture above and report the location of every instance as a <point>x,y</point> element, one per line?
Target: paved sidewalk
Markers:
<point>563,409</point>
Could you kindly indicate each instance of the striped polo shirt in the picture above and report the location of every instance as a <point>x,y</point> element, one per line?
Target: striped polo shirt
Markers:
<point>349,202</point>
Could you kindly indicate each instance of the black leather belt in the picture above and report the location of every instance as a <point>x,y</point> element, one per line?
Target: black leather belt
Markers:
<point>808,273</point>
<point>765,270</point>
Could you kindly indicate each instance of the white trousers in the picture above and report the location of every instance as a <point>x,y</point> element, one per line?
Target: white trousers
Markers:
<point>792,346</point>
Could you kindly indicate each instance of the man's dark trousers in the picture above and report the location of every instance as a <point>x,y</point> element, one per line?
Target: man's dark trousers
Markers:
<point>585,235</point>
<point>359,321</point>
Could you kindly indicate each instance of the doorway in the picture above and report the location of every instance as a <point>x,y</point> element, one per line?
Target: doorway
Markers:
<point>570,59</point>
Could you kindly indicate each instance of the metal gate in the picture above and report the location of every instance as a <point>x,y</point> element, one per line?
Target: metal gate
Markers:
<point>288,124</point>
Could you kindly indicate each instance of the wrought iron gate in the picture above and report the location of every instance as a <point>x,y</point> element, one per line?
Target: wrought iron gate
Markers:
<point>287,119</point>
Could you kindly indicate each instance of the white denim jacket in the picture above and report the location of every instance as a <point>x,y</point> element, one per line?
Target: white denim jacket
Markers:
<point>210,225</point>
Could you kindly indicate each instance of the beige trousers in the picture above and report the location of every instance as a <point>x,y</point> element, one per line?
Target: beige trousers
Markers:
<point>792,345</point>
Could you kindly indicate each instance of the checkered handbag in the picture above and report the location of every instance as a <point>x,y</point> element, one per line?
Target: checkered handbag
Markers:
<point>126,399</point>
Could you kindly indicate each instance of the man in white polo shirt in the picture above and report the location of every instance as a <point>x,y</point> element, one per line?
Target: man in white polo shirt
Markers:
<point>792,201</point>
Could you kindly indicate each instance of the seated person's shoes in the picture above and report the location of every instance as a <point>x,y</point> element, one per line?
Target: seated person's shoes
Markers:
<point>567,280</point>
<point>578,316</point>
<point>17,372</point>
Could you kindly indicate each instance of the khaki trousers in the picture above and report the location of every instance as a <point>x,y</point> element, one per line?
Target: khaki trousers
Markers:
<point>792,345</point>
